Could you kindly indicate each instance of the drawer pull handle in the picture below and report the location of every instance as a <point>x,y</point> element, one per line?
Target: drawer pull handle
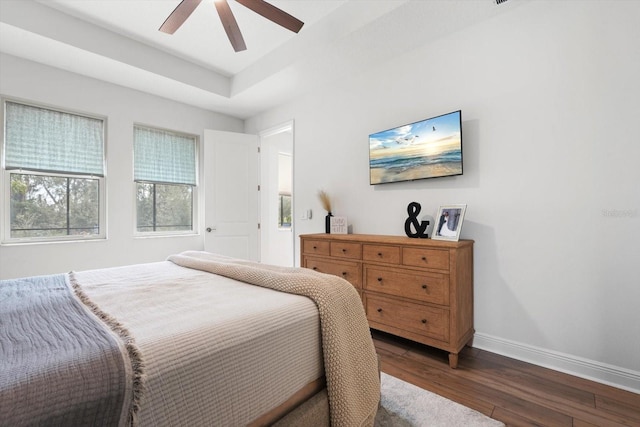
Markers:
<point>380,254</point>
<point>379,279</point>
<point>344,273</point>
<point>379,310</point>
<point>424,258</point>
<point>424,286</point>
<point>315,268</point>
<point>315,247</point>
<point>344,251</point>
<point>424,320</point>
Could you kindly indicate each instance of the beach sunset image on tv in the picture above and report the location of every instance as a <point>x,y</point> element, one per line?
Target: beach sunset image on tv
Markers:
<point>426,149</point>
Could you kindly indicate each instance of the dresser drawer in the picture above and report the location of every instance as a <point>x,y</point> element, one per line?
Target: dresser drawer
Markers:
<point>389,254</point>
<point>430,258</point>
<point>416,285</point>
<point>316,247</point>
<point>346,250</point>
<point>427,321</point>
<point>350,271</point>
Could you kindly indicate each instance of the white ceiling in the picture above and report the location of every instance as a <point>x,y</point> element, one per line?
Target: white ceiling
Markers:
<point>118,41</point>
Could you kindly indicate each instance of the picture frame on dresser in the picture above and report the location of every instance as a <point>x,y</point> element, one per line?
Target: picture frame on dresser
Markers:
<point>448,222</point>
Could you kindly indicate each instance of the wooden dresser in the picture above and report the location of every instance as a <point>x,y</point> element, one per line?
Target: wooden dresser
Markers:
<point>420,289</point>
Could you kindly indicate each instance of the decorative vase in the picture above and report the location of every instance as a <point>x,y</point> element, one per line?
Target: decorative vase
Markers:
<point>327,223</point>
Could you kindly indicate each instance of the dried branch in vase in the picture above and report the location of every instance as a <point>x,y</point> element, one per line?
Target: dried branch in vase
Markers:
<point>324,200</point>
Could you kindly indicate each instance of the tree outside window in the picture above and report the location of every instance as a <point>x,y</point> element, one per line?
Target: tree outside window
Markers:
<point>54,206</point>
<point>284,211</point>
<point>162,207</point>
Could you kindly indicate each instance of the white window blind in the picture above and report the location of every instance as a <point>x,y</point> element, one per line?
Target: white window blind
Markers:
<point>164,157</point>
<point>285,168</point>
<point>45,140</point>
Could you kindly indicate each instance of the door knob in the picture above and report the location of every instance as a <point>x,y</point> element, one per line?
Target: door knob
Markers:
<point>209,229</point>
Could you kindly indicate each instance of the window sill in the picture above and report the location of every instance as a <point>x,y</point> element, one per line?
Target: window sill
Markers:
<point>164,235</point>
<point>50,242</point>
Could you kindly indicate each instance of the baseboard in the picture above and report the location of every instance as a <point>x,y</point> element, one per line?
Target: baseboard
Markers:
<point>615,376</point>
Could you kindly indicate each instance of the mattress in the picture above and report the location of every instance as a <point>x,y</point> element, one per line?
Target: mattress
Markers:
<point>212,346</point>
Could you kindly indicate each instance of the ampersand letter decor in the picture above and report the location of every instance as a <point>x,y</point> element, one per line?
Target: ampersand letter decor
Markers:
<point>413,209</point>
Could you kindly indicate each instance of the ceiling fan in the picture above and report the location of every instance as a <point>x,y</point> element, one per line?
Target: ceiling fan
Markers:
<point>261,7</point>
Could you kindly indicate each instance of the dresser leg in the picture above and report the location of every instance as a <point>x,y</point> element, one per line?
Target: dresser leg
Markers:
<point>453,360</point>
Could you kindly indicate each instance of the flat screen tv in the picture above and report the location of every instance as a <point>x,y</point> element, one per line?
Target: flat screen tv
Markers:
<point>430,148</point>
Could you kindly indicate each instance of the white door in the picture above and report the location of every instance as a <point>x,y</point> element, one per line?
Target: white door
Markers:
<point>231,194</point>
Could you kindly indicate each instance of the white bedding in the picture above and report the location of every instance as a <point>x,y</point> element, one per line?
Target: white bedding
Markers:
<point>207,366</point>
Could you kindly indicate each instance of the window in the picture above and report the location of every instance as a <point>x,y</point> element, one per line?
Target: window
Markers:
<point>165,177</point>
<point>285,168</point>
<point>53,173</point>
<point>284,211</point>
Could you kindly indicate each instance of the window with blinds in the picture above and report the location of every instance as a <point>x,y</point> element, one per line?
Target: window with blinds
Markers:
<point>54,165</point>
<point>285,168</point>
<point>165,175</point>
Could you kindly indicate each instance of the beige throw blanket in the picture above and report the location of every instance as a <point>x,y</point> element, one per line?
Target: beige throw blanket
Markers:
<point>351,367</point>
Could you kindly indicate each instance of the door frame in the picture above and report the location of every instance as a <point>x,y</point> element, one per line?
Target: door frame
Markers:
<point>287,126</point>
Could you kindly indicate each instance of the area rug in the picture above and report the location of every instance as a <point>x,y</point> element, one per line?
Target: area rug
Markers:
<point>404,405</point>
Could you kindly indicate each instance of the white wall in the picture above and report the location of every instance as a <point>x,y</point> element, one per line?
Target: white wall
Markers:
<point>550,97</point>
<point>123,107</point>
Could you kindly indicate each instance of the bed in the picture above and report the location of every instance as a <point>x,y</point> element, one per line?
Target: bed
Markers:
<point>197,339</point>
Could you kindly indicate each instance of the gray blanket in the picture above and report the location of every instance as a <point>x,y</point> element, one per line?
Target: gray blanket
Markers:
<point>60,365</point>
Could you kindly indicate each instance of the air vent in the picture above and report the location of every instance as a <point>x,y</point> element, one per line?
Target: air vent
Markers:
<point>500,1</point>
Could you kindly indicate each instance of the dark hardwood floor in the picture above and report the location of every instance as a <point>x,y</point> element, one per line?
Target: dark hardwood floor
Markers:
<point>514,392</point>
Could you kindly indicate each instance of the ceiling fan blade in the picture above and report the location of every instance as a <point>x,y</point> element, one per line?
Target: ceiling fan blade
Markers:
<point>274,14</point>
<point>230,25</point>
<point>178,16</point>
